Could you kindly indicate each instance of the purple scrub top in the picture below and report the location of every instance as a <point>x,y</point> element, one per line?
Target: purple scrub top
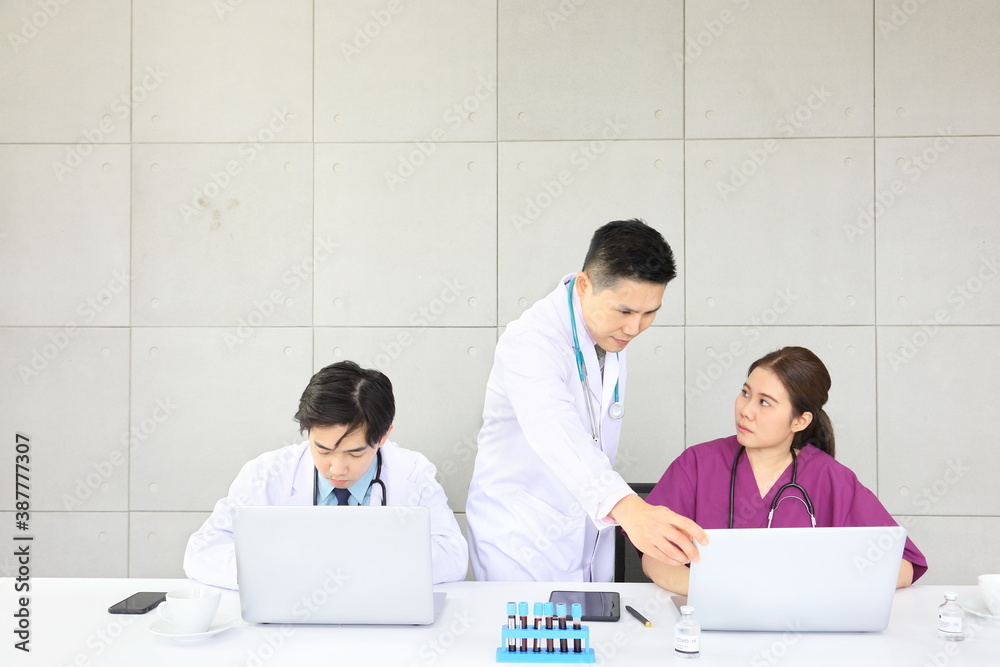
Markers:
<point>696,485</point>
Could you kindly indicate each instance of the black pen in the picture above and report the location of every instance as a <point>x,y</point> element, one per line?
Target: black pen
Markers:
<point>639,617</point>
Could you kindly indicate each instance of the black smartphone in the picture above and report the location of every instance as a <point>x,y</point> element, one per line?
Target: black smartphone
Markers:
<point>597,605</point>
<point>138,603</point>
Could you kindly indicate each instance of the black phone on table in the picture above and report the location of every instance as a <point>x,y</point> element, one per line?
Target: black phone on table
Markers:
<point>597,605</point>
<point>137,603</point>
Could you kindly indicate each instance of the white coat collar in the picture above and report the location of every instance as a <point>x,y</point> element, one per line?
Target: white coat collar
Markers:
<point>302,478</point>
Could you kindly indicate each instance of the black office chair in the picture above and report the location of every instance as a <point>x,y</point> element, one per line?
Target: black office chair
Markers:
<point>628,567</point>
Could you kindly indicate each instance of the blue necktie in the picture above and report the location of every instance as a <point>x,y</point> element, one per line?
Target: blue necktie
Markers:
<point>342,495</point>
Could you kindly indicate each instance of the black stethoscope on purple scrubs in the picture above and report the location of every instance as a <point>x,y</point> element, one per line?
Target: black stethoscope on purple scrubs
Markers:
<point>376,480</point>
<point>805,500</point>
<point>616,410</point>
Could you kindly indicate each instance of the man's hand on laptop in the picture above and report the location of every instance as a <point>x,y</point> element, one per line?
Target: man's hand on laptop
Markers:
<point>659,532</point>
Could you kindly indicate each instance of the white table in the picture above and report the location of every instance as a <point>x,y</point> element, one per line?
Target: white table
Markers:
<point>70,626</point>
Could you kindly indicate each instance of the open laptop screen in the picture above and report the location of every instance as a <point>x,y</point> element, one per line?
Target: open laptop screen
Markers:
<point>345,565</point>
<point>799,579</point>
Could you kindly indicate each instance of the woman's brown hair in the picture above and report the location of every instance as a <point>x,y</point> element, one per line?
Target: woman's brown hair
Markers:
<point>808,384</point>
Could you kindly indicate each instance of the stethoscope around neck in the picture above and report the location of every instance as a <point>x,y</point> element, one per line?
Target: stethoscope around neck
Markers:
<point>616,410</point>
<point>376,480</point>
<point>805,500</point>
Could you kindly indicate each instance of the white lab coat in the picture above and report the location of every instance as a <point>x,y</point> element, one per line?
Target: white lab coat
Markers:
<point>285,477</point>
<point>542,489</point>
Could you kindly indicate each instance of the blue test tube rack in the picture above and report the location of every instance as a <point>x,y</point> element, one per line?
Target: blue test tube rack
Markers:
<point>504,654</point>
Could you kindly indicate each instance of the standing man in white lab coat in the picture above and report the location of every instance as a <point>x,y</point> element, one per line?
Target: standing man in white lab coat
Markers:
<point>544,495</point>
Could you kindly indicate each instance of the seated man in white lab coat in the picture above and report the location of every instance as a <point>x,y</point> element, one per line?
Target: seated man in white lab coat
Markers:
<point>347,412</point>
<point>544,495</point>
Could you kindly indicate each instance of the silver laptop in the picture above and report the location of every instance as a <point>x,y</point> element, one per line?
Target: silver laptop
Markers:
<point>344,565</point>
<point>797,579</point>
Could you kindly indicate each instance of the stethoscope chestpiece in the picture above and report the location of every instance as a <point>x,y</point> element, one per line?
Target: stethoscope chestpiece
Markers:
<point>805,499</point>
<point>616,410</point>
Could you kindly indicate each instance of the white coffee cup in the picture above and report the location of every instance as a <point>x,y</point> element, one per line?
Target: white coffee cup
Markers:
<point>989,586</point>
<point>190,610</point>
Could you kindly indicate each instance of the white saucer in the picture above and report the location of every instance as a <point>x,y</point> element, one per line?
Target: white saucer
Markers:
<point>166,629</point>
<point>979,608</point>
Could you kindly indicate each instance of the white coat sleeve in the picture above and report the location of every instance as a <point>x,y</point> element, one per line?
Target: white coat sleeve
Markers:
<point>210,557</point>
<point>449,550</point>
<point>537,386</point>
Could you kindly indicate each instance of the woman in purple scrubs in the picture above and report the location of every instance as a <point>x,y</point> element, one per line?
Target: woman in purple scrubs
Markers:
<point>779,420</point>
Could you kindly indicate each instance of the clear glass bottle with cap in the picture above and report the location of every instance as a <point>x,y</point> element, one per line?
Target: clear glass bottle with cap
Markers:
<point>687,634</point>
<point>950,617</point>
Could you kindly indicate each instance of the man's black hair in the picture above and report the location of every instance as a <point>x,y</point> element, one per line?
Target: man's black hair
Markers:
<point>344,394</point>
<point>630,250</point>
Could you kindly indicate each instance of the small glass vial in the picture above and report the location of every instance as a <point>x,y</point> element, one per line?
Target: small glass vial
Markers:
<point>687,635</point>
<point>950,617</point>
